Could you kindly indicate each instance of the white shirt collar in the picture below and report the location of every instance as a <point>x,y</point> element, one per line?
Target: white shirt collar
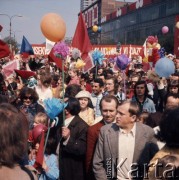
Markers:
<point>68,121</point>
<point>132,131</point>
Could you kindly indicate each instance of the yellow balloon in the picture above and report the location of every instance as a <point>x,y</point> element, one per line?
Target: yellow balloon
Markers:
<point>95,28</point>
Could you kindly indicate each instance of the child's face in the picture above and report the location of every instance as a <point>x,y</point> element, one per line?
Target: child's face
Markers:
<point>72,73</point>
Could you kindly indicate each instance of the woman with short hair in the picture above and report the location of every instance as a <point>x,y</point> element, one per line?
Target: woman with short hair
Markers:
<point>28,104</point>
<point>13,146</point>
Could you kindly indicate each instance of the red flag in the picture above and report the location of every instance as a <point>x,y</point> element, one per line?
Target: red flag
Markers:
<point>9,68</point>
<point>82,42</point>
<point>25,74</point>
<point>176,38</point>
<point>40,153</point>
<point>4,49</point>
<point>53,58</point>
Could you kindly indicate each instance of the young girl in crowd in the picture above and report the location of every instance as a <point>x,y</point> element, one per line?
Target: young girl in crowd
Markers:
<point>40,118</point>
<point>49,169</point>
<point>74,79</point>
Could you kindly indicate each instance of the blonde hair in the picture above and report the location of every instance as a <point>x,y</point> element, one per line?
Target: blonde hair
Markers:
<point>41,118</point>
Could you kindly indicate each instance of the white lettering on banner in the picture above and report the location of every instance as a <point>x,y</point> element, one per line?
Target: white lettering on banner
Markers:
<point>39,50</point>
<point>125,50</point>
<point>129,50</point>
<point>134,51</point>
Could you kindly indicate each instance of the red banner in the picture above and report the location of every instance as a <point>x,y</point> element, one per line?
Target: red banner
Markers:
<point>107,50</point>
<point>129,50</point>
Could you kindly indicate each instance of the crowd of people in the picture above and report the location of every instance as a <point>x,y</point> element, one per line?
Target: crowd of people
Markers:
<point>115,125</point>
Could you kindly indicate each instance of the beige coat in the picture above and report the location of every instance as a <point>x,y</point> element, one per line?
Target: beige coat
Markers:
<point>15,173</point>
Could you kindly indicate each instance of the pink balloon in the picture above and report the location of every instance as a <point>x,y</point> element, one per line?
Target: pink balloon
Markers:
<point>165,29</point>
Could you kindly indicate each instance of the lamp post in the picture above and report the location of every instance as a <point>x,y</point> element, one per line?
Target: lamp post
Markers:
<point>15,33</point>
<point>10,24</point>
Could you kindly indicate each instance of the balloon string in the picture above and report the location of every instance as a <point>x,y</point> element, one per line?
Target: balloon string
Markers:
<point>123,72</point>
<point>63,87</point>
<point>48,132</point>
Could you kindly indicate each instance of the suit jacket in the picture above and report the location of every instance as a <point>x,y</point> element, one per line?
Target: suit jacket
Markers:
<point>92,137</point>
<point>106,153</point>
<point>72,155</point>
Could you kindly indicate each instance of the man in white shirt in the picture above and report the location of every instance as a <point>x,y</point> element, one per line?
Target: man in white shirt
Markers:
<point>124,148</point>
<point>97,95</point>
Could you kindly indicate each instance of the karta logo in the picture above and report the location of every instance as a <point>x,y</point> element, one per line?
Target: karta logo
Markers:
<point>135,170</point>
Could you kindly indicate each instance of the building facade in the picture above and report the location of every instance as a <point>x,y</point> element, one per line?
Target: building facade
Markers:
<point>86,3</point>
<point>133,23</point>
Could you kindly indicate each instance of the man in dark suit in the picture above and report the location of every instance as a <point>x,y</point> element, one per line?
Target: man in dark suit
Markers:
<point>124,148</point>
<point>73,144</point>
<point>108,107</point>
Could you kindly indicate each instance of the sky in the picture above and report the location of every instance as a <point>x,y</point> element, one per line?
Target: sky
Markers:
<point>32,12</point>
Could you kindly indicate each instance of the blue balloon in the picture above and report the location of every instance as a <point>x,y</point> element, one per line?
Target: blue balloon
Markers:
<point>99,29</point>
<point>164,67</point>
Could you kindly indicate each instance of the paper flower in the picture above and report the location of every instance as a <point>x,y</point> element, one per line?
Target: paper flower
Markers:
<point>79,64</point>
<point>122,61</point>
<point>61,50</point>
<point>32,82</point>
<point>112,60</point>
<point>53,107</point>
<point>76,53</point>
<point>98,57</point>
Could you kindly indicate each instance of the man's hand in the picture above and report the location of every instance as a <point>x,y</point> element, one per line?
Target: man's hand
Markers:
<point>65,132</point>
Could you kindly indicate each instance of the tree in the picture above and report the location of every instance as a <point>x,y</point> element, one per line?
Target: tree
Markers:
<point>12,43</point>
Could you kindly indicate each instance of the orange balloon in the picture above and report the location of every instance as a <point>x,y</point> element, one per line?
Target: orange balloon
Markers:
<point>177,25</point>
<point>95,28</point>
<point>53,27</point>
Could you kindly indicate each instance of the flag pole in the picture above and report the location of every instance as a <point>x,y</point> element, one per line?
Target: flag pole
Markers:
<point>63,87</point>
<point>96,71</point>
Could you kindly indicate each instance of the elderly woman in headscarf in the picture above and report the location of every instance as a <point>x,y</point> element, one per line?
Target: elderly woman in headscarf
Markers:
<point>86,110</point>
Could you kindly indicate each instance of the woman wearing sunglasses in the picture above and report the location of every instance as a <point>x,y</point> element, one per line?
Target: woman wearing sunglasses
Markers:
<point>29,104</point>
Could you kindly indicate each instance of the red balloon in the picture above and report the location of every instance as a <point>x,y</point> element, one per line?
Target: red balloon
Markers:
<point>37,131</point>
<point>53,27</point>
<point>165,29</point>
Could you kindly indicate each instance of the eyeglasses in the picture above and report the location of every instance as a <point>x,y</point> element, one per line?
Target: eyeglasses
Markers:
<point>28,97</point>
